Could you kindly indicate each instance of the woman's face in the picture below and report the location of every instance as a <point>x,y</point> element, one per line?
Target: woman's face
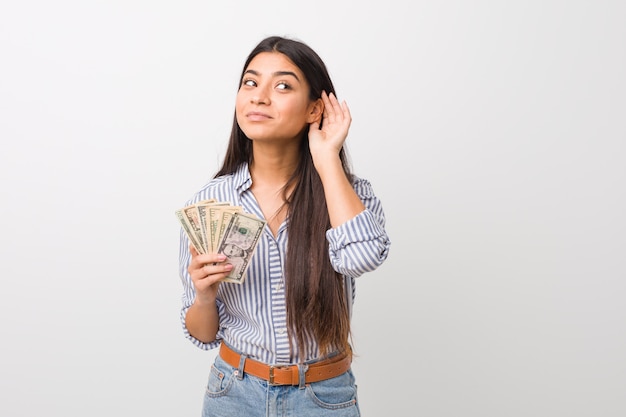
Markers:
<point>273,99</point>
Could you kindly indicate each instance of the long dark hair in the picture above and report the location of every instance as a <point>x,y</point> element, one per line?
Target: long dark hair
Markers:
<point>316,300</point>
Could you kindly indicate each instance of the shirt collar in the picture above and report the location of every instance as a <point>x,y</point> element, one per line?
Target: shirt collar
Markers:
<point>242,178</point>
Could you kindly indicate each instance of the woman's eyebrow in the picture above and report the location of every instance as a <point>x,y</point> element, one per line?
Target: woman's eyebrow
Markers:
<point>274,74</point>
<point>281,73</point>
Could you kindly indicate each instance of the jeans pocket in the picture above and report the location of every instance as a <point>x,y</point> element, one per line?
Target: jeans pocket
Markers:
<point>220,380</point>
<point>335,393</point>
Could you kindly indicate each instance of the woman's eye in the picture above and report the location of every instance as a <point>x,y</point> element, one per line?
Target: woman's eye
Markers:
<point>283,86</point>
<point>249,83</point>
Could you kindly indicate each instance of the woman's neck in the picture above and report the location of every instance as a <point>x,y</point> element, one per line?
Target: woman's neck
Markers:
<point>270,172</point>
<point>273,166</point>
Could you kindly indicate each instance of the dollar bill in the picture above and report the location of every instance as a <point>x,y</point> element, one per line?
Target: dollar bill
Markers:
<point>214,226</point>
<point>202,208</point>
<point>193,219</point>
<point>239,242</point>
<point>206,227</point>
<point>226,215</point>
<point>191,235</point>
<point>220,216</point>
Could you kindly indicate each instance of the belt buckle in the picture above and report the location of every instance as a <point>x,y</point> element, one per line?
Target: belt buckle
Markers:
<point>272,376</point>
<point>271,380</point>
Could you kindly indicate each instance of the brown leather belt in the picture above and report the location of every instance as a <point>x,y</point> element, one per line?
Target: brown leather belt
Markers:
<point>288,374</point>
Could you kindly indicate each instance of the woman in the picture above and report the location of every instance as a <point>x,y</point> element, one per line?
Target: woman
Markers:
<point>283,333</point>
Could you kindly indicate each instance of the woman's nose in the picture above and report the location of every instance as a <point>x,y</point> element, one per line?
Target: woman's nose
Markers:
<point>260,96</point>
<point>259,100</point>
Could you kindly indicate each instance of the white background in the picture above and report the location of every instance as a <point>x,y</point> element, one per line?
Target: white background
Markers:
<point>494,133</point>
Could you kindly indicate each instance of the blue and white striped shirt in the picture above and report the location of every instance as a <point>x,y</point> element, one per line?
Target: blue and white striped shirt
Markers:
<point>253,316</point>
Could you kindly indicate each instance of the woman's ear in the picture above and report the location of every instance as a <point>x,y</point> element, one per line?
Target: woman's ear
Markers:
<point>316,109</point>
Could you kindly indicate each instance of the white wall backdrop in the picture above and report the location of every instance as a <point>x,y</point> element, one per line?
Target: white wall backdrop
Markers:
<point>494,132</point>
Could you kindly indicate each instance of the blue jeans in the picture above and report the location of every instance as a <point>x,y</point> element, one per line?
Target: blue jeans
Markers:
<point>228,394</point>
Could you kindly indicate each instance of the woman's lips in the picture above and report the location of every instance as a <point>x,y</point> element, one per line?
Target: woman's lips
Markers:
<point>256,115</point>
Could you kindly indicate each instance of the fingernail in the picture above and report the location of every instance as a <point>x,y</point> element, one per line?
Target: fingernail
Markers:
<point>221,257</point>
<point>228,267</point>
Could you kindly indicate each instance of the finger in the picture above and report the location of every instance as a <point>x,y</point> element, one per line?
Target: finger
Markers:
<point>203,280</point>
<point>335,106</point>
<point>327,105</point>
<point>199,261</point>
<point>213,269</point>
<point>209,273</point>
<point>210,258</point>
<point>346,111</point>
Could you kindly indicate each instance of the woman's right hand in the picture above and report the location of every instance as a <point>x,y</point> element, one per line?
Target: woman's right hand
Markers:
<point>206,271</point>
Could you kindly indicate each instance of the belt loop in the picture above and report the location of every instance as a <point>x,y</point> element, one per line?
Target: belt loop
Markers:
<point>302,368</point>
<point>242,362</point>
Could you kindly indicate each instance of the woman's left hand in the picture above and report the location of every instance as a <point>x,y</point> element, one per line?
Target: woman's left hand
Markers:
<point>330,138</point>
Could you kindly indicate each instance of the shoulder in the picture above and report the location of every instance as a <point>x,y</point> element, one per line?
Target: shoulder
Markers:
<point>217,188</point>
<point>217,182</point>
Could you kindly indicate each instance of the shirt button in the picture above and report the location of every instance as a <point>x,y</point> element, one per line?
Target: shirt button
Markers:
<point>280,331</point>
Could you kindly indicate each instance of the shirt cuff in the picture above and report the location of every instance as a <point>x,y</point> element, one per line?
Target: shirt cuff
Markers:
<point>204,346</point>
<point>361,228</point>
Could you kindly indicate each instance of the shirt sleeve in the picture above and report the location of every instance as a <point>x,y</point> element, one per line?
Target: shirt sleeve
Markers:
<point>361,244</point>
<point>189,294</point>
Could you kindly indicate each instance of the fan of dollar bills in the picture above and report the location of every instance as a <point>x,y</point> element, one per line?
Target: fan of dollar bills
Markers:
<point>214,226</point>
